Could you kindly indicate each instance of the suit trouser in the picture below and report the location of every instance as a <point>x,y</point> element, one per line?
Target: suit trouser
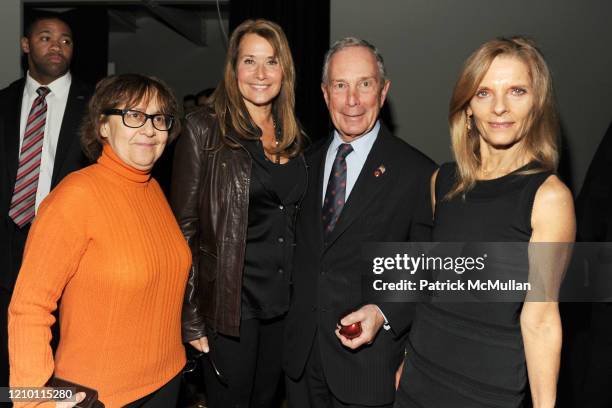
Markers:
<point>5,298</point>
<point>311,390</point>
<point>250,364</point>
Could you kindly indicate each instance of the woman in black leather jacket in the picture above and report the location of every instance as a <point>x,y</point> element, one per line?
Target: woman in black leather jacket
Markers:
<point>239,176</point>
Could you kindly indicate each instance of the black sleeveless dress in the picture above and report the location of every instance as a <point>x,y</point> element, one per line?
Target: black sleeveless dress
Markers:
<point>470,355</point>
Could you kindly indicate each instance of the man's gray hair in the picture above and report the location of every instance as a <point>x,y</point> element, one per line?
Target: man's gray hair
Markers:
<point>354,42</point>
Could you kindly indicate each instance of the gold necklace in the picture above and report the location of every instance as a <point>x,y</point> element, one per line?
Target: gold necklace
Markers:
<point>276,143</point>
<point>273,157</point>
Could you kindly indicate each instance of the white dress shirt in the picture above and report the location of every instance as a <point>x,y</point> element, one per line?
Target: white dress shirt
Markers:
<point>56,105</point>
<point>354,160</point>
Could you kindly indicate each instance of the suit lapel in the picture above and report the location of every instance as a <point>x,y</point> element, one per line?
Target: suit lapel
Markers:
<point>372,178</point>
<point>75,107</point>
<point>12,117</point>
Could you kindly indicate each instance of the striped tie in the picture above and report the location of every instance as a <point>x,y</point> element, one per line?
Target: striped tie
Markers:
<point>336,189</point>
<point>24,195</point>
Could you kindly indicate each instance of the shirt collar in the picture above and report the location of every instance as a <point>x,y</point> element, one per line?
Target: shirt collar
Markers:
<point>362,145</point>
<point>59,87</point>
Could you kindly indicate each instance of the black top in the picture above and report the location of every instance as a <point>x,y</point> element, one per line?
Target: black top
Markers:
<point>275,192</point>
<point>471,354</point>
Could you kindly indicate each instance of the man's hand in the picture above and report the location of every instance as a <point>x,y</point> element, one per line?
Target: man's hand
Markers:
<point>371,321</point>
<point>398,374</point>
<point>200,344</point>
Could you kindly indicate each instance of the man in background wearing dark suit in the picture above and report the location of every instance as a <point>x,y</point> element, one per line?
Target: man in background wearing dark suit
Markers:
<point>592,374</point>
<point>39,145</point>
<point>365,185</point>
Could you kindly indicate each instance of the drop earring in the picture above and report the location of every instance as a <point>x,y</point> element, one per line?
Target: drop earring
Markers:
<point>468,122</point>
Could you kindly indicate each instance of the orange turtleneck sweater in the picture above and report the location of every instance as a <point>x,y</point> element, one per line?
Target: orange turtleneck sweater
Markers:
<point>106,242</point>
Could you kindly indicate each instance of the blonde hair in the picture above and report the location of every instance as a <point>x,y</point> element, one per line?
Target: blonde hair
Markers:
<point>540,133</point>
<point>227,101</point>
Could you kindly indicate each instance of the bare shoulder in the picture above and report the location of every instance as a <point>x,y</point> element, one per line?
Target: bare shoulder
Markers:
<point>434,176</point>
<point>553,218</point>
<point>553,192</point>
<point>432,189</point>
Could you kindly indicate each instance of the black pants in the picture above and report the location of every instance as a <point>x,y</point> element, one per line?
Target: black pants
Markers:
<point>250,364</point>
<point>164,397</point>
<point>5,298</point>
<point>311,390</point>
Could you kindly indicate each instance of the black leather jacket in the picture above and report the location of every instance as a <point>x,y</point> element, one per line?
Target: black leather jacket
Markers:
<point>210,198</point>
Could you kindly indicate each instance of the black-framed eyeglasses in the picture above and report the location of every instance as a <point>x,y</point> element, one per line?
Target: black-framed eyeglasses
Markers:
<point>134,118</point>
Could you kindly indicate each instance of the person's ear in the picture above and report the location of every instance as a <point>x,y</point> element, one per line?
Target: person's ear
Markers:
<point>325,94</point>
<point>25,45</point>
<point>105,130</point>
<point>384,91</point>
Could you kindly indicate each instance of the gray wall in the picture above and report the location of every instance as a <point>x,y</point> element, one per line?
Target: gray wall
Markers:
<point>154,49</point>
<point>424,43</point>
<point>10,27</point>
<point>187,68</point>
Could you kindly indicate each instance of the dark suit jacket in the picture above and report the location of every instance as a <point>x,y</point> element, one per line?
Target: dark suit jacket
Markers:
<point>68,157</point>
<point>594,204</point>
<point>327,278</point>
<point>594,224</point>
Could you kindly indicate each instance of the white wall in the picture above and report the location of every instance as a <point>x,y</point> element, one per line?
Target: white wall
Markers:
<point>156,50</point>
<point>424,43</point>
<point>10,27</point>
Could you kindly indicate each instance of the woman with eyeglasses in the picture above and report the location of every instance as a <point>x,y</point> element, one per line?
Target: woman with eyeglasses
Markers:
<point>238,179</point>
<point>105,243</point>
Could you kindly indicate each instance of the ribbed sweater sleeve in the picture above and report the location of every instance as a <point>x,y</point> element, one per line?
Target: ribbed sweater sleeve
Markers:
<point>41,281</point>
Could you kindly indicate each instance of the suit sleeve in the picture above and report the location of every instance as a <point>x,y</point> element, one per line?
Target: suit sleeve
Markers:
<point>56,244</point>
<point>400,315</point>
<point>422,220</point>
<point>189,163</point>
<point>593,203</point>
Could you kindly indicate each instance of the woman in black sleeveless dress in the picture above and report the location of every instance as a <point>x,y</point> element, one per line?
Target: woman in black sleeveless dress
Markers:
<point>502,188</point>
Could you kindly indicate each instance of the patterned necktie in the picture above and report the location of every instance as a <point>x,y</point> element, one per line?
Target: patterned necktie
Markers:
<point>336,189</point>
<point>26,182</point>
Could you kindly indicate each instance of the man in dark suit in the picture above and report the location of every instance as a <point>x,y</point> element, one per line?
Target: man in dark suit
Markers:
<point>39,145</point>
<point>365,185</point>
<point>591,371</point>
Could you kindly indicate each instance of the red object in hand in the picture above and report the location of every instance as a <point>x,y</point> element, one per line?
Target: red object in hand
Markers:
<point>351,331</point>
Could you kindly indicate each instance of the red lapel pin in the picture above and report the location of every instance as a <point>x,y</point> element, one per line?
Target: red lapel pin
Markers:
<point>380,171</point>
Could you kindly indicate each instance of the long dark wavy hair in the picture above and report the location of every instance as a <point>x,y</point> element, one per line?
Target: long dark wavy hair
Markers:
<point>227,101</point>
